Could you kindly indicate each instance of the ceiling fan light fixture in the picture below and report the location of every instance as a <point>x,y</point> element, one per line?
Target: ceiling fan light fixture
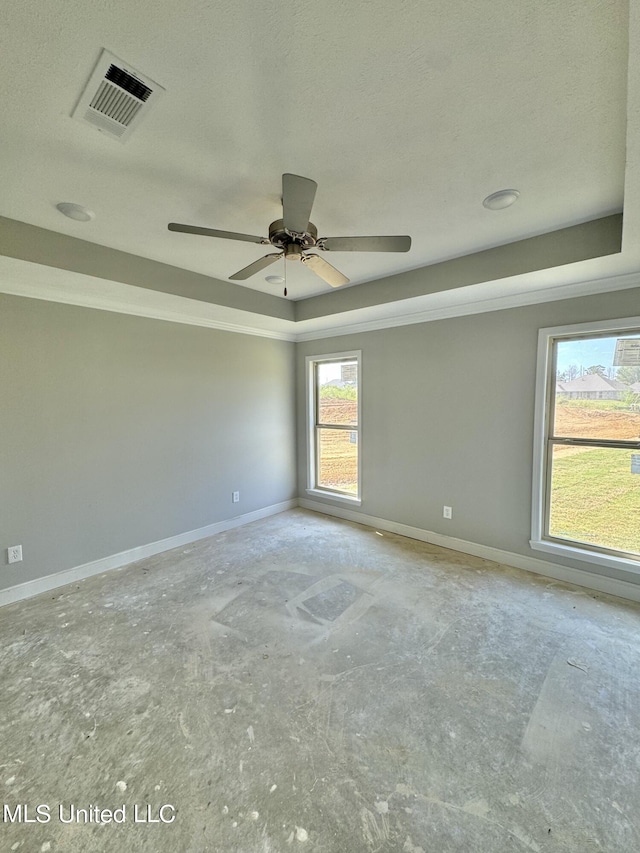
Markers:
<point>501,199</point>
<point>293,252</point>
<point>75,211</point>
<point>295,234</point>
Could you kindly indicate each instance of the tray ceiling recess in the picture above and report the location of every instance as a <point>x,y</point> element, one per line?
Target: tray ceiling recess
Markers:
<point>116,98</point>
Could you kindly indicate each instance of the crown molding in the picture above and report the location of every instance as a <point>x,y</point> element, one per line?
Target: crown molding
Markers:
<point>481,306</point>
<point>36,281</point>
<point>169,315</point>
<point>21,278</point>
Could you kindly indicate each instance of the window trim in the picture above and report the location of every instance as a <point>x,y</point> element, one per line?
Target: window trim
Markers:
<point>311,408</point>
<point>544,402</point>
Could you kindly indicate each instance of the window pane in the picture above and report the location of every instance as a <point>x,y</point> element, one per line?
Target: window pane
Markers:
<point>337,460</point>
<point>597,392</point>
<point>338,392</point>
<point>595,497</point>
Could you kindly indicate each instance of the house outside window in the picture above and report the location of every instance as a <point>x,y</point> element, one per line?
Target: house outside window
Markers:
<point>586,490</point>
<point>333,419</point>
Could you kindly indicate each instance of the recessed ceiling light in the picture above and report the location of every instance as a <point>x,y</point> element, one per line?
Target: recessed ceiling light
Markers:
<point>275,279</point>
<point>75,211</point>
<point>501,199</point>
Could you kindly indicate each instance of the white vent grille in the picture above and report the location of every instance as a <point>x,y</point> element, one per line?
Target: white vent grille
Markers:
<point>116,98</point>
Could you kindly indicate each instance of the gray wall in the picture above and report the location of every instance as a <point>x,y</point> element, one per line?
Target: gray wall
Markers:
<point>447,418</point>
<point>118,431</point>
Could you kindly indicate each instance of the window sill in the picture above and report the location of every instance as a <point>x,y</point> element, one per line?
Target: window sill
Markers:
<point>334,496</point>
<point>574,552</point>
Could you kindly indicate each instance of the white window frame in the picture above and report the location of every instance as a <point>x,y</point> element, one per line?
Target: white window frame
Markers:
<point>312,487</point>
<point>545,388</point>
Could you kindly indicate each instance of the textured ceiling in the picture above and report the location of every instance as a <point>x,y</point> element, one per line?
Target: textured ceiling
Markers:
<point>407,114</point>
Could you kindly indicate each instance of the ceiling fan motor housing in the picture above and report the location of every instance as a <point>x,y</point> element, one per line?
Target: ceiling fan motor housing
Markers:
<point>280,237</point>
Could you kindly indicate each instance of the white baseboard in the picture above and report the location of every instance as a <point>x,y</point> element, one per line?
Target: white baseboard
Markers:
<point>579,577</point>
<point>115,561</point>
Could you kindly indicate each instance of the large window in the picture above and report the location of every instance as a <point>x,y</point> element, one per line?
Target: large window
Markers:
<point>333,384</point>
<point>587,468</point>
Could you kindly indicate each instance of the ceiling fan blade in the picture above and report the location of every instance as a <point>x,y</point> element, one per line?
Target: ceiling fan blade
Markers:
<point>255,267</point>
<point>297,200</point>
<point>365,244</point>
<point>212,232</point>
<point>324,269</point>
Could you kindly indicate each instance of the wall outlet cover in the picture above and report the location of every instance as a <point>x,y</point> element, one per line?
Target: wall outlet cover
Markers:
<point>14,553</point>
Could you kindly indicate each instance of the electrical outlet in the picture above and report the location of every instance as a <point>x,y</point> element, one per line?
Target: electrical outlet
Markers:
<point>14,553</point>
<point>447,512</point>
<point>236,497</point>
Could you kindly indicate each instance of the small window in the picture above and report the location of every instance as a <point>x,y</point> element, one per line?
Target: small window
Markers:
<point>587,477</point>
<point>334,425</point>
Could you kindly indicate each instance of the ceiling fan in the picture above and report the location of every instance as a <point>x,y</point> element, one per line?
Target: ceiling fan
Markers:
<point>294,235</point>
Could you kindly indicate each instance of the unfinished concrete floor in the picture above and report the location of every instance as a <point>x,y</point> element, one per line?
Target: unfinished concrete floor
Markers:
<point>305,684</point>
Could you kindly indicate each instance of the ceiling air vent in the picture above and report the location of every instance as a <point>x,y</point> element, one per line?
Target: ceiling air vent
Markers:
<point>116,97</point>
